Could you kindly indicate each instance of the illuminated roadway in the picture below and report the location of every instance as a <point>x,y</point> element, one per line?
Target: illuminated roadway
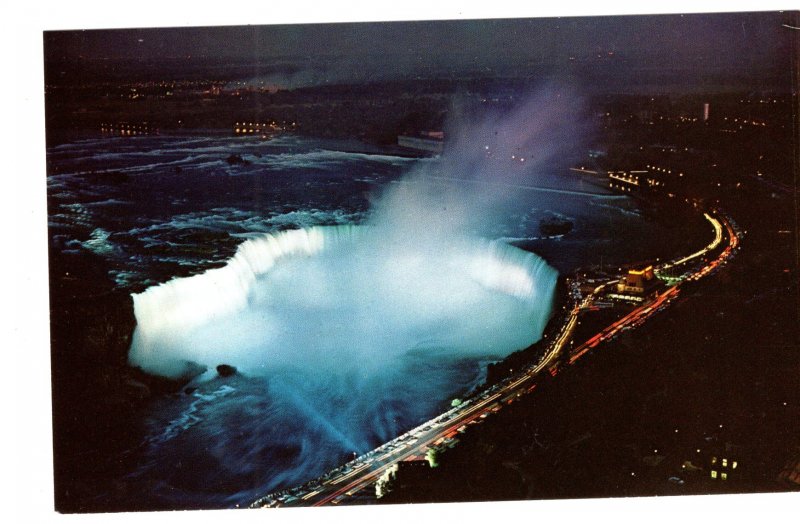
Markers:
<point>362,472</point>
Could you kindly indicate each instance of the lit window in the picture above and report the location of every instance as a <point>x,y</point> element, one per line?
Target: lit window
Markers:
<point>713,474</point>
<point>713,460</point>
<point>733,465</point>
<point>724,476</point>
<point>724,463</point>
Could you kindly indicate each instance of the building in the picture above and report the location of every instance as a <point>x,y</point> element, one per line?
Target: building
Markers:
<point>722,467</point>
<point>625,181</point>
<point>262,129</point>
<point>718,463</point>
<point>127,128</point>
<point>723,462</point>
<point>640,283</point>
<point>638,181</point>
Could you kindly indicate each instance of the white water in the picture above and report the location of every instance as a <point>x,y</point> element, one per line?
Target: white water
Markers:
<point>328,298</point>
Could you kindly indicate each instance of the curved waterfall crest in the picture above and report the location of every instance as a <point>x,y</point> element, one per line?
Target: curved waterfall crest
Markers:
<point>242,313</point>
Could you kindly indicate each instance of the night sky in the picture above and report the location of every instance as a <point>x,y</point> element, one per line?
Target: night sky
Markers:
<point>755,43</point>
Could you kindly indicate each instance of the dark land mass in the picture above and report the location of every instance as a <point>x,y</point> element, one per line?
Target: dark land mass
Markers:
<point>376,110</point>
<point>96,395</point>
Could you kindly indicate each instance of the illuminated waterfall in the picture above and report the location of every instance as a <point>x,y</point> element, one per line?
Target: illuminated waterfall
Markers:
<point>312,295</point>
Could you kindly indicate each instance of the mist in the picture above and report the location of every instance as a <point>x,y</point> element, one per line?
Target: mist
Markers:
<point>348,335</point>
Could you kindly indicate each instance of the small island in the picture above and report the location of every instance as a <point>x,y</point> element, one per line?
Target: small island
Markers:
<point>554,226</point>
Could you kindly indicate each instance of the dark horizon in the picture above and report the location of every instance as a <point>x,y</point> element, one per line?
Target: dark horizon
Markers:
<point>751,50</point>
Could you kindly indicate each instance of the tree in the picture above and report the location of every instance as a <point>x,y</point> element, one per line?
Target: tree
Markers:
<point>386,481</point>
<point>433,457</point>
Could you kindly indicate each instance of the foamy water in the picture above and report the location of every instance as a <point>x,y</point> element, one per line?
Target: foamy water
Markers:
<point>306,296</point>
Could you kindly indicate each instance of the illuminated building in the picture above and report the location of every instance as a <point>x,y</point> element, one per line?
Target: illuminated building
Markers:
<point>127,128</point>
<point>636,181</point>
<point>722,467</point>
<point>262,129</point>
<point>639,283</point>
<point>719,462</point>
<point>624,181</point>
